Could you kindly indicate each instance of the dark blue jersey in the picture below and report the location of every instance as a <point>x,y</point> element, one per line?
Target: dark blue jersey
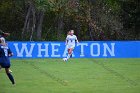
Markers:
<point>4,56</point>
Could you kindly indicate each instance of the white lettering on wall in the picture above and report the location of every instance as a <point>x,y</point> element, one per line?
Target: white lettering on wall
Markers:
<point>92,47</point>
<point>55,50</point>
<point>28,53</point>
<point>110,50</point>
<point>82,48</point>
<point>40,50</point>
<point>35,50</point>
<point>65,52</point>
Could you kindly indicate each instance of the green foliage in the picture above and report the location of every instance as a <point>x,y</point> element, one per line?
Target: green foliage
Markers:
<point>114,5</point>
<point>91,19</point>
<point>42,5</point>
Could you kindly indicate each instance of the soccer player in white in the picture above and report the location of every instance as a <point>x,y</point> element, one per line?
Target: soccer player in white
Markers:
<point>70,43</point>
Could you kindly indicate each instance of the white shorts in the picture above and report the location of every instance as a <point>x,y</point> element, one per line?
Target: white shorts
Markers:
<point>70,46</point>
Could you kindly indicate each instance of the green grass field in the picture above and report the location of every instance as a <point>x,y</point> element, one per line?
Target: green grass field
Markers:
<point>75,76</point>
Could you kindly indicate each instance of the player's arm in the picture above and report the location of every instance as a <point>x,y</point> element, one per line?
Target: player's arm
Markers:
<point>77,40</point>
<point>10,52</point>
<point>4,34</point>
<point>66,42</point>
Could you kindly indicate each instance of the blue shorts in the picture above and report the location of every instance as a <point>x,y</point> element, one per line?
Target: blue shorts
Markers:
<point>5,62</point>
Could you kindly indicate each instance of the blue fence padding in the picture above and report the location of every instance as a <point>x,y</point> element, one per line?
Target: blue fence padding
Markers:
<point>85,49</point>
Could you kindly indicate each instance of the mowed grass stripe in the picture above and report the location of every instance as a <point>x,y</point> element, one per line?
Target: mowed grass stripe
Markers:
<point>78,75</point>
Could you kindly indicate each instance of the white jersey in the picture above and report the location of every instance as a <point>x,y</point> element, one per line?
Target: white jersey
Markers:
<point>71,39</point>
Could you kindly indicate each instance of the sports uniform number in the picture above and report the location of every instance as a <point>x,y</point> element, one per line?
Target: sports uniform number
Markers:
<point>6,52</point>
<point>71,40</point>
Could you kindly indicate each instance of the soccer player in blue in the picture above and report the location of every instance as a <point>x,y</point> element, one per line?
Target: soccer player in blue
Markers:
<point>3,35</point>
<point>5,53</point>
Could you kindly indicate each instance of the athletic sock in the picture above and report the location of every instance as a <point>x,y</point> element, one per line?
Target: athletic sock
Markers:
<point>11,78</point>
<point>68,56</point>
<point>71,56</point>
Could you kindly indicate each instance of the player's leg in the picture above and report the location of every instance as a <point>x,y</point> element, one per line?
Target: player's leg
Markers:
<point>69,53</point>
<point>0,67</point>
<point>68,50</point>
<point>10,75</point>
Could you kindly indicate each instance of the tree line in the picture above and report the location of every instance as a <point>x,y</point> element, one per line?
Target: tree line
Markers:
<point>50,20</point>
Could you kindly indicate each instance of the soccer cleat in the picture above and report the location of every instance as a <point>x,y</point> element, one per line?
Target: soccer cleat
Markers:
<point>13,83</point>
<point>65,59</point>
<point>10,71</point>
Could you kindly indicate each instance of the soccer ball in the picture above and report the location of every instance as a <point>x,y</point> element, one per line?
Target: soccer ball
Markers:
<point>64,59</point>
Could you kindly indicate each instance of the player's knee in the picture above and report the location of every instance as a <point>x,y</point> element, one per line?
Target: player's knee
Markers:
<point>7,70</point>
<point>70,51</point>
